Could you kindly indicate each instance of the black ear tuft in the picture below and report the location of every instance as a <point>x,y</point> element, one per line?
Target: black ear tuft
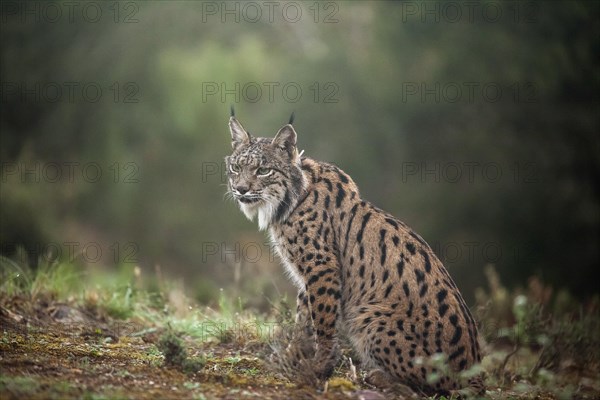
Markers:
<point>291,118</point>
<point>231,111</point>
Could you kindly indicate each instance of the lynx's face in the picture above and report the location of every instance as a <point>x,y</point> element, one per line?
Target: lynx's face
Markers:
<point>264,175</point>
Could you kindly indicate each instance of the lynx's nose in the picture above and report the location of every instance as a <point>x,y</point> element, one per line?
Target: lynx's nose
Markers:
<point>242,189</point>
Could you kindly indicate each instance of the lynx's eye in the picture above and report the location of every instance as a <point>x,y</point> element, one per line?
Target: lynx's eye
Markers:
<point>235,168</point>
<point>263,171</point>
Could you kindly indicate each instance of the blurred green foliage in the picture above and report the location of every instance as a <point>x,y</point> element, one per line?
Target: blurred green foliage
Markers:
<point>385,95</point>
<point>536,333</point>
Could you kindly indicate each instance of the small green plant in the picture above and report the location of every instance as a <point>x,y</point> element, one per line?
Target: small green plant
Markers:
<point>251,371</point>
<point>191,385</point>
<point>15,279</point>
<point>60,389</point>
<point>57,280</point>
<point>232,360</point>
<point>120,304</point>
<point>538,337</point>
<point>124,374</point>
<point>176,355</point>
<point>21,386</point>
<point>229,307</point>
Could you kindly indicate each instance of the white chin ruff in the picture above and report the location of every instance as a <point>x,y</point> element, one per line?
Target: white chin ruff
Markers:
<point>264,210</point>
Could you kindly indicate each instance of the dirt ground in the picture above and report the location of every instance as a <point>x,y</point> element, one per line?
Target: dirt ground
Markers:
<point>53,350</point>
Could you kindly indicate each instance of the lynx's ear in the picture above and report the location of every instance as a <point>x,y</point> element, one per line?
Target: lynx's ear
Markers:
<point>239,136</point>
<point>286,140</point>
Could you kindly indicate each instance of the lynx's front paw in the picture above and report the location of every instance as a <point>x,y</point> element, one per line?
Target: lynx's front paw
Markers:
<point>326,358</point>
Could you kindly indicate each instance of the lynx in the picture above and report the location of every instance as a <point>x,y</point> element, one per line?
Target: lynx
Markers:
<point>355,266</point>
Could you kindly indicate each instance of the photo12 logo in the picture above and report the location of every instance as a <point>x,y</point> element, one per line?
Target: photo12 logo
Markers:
<point>470,172</point>
<point>237,252</point>
<point>468,92</point>
<point>453,253</point>
<point>71,12</point>
<point>69,172</point>
<point>270,11</point>
<point>452,12</point>
<point>254,92</point>
<point>468,251</point>
<point>88,252</point>
<point>69,92</point>
<point>242,331</point>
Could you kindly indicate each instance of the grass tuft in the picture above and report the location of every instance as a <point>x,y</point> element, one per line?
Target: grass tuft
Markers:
<point>176,355</point>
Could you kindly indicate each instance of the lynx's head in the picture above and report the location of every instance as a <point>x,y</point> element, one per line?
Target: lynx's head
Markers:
<point>264,174</point>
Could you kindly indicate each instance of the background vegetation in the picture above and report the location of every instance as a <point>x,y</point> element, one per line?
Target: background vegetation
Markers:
<point>402,98</point>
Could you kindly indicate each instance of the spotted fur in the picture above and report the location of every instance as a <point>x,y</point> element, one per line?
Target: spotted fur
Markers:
<point>354,265</point>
